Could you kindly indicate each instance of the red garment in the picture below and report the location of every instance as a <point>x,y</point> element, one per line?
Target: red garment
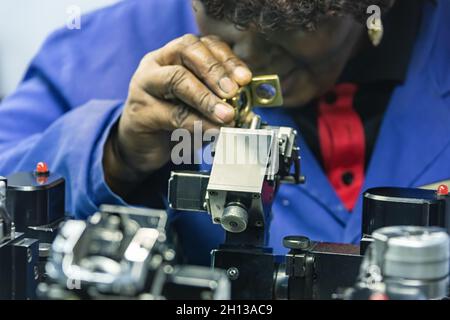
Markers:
<point>342,143</point>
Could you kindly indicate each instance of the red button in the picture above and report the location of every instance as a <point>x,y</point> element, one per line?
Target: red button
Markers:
<point>379,296</point>
<point>442,190</point>
<point>42,168</point>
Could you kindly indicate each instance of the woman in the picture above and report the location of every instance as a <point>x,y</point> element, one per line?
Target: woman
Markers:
<point>372,104</point>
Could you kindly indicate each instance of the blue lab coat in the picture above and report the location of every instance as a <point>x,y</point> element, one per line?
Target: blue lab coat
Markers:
<point>74,89</point>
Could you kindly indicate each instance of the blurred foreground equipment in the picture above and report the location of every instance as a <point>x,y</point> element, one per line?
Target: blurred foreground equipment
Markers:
<point>124,253</point>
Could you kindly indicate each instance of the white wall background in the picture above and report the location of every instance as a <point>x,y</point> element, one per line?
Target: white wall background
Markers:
<point>24,24</point>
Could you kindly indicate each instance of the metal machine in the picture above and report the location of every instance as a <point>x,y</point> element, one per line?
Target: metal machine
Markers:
<point>249,165</point>
<point>405,262</point>
<point>119,252</point>
<point>31,206</point>
<point>124,253</point>
<point>127,253</point>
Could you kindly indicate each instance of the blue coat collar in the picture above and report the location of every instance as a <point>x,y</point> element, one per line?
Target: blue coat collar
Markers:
<point>413,145</point>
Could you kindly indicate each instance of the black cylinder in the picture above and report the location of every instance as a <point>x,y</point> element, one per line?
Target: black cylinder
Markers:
<point>385,207</point>
<point>33,200</point>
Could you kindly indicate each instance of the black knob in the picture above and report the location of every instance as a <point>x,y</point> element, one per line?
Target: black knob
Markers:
<point>330,98</point>
<point>297,243</point>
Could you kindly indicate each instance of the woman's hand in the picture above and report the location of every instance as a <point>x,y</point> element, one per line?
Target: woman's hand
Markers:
<point>173,87</point>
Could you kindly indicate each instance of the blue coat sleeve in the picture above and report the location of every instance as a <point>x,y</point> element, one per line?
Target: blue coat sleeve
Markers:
<point>52,116</point>
<point>35,126</point>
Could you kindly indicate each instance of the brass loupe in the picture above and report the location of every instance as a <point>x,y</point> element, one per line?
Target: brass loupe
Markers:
<point>263,91</point>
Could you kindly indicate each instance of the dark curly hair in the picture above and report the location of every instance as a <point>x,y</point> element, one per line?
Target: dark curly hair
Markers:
<point>270,15</point>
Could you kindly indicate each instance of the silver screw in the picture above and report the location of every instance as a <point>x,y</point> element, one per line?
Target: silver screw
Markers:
<point>169,255</point>
<point>29,256</point>
<point>168,269</point>
<point>233,273</point>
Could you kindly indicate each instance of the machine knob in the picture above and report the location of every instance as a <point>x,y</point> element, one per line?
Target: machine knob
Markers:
<point>235,218</point>
<point>411,259</point>
<point>296,243</point>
